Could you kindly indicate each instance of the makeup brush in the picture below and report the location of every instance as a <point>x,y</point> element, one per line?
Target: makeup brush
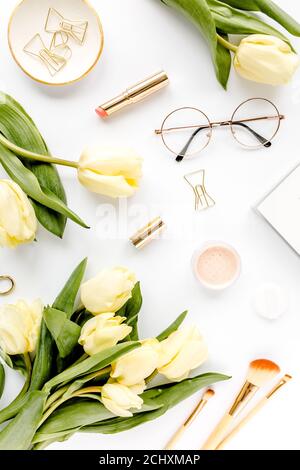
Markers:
<point>254,411</point>
<point>260,372</point>
<point>202,403</point>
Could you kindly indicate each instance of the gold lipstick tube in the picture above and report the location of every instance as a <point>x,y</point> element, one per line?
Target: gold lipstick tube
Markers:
<point>134,94</point>
<point>148,233</point>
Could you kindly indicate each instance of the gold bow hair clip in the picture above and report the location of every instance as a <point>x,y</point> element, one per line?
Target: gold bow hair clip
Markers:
<point>56,23</point>
<point>197,182</point>
<point>55,57</point>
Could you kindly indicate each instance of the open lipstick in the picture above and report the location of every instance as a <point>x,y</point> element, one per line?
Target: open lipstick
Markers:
<point>134,94</point>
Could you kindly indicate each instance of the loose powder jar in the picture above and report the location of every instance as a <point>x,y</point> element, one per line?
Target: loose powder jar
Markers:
<point>216,265</point>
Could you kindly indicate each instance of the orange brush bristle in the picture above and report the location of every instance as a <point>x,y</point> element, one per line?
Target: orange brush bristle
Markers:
<point>208,394</point>
<point>261,371</point>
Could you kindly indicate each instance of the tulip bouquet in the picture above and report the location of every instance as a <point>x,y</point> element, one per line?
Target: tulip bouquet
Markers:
<point>86,369</point>
<point>266,56</point>
<point>36,191</point>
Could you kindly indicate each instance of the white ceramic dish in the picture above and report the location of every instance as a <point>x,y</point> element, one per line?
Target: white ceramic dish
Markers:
<point>29,19</point>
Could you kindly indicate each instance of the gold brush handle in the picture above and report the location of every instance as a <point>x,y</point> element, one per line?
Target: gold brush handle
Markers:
<point>218,434</point>
<point>242,423</point>
<point>173,441</point>
<point>203,402</point>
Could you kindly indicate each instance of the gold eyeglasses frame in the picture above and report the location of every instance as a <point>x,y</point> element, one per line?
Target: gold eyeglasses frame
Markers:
<point>211,125</point>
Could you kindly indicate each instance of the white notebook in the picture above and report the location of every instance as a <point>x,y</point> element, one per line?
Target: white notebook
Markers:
<point>281,208</point>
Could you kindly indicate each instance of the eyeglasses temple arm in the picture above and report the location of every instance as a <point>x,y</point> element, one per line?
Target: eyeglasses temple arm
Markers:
<point>182,154</point>
<point>266,143</point>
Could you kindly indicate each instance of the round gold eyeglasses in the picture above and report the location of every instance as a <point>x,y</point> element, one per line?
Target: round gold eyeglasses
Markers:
<point>187,131</point>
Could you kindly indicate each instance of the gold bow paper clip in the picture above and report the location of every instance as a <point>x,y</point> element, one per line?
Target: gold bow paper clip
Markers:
<point>54,58</point>
<point>59,45</point>
<point>197,181</point>
<point>56,23</point>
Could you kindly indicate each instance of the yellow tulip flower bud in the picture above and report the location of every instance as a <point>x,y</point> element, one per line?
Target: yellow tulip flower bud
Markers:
<point>137,365</point>
<point>120,399</point>
<point>20,326</point>
<point>265,59</point>
<point>18,222</point>
<point>183,351</point>
<point>102,332</point>
<point>108,291</point>
<point>110,171</point>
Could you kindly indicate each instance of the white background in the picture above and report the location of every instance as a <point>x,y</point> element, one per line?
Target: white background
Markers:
<point>141,37</point>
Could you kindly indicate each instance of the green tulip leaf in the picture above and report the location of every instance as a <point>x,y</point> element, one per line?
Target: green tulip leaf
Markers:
<point>131,311</point>
<point>232,21</point>
<point>45,360</point>
<point>74,386</point>
<point>14,408</point>
<point>165,398</point>
<point>2,379</point>
<point>75,414</point>
<point>15,362</point>
<point>57,437</point>
<point>64,332</point>
<point>43,366</point>
<point>91,364</point>
<point>270,9</point>
<point>86,416</point>
<point>31,186</point>
<point>199,13</point>
<point>173,327</point>
<point>18,433</point>
<point>18,127</point>
<point>67,297</point>
<point>224,61</point>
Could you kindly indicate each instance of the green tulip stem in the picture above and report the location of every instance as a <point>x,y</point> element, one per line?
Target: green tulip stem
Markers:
<point>61,391</point>
<point>63,399</point>
<point>28,365</point>
<point>35,156</point>
<point>53,408</point>
<point>83,391</point>
<point>228,45</point>
<point>56,396</point>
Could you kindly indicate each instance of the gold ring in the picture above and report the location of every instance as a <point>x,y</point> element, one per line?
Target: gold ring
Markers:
<point>11,285</point>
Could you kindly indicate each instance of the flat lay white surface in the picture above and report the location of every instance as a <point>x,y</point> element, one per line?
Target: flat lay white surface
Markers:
<point>142,37</point>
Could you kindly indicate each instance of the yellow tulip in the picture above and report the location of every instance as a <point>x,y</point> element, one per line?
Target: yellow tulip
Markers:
<point>102,332</point>
<point>18,222</point>
<point>265,59</point>
<point>108,291</point>
<point>120,399</point>
<point>110,171</point>
<point>134,367</point>
<point>183,351</point>
<point>20,326</point>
